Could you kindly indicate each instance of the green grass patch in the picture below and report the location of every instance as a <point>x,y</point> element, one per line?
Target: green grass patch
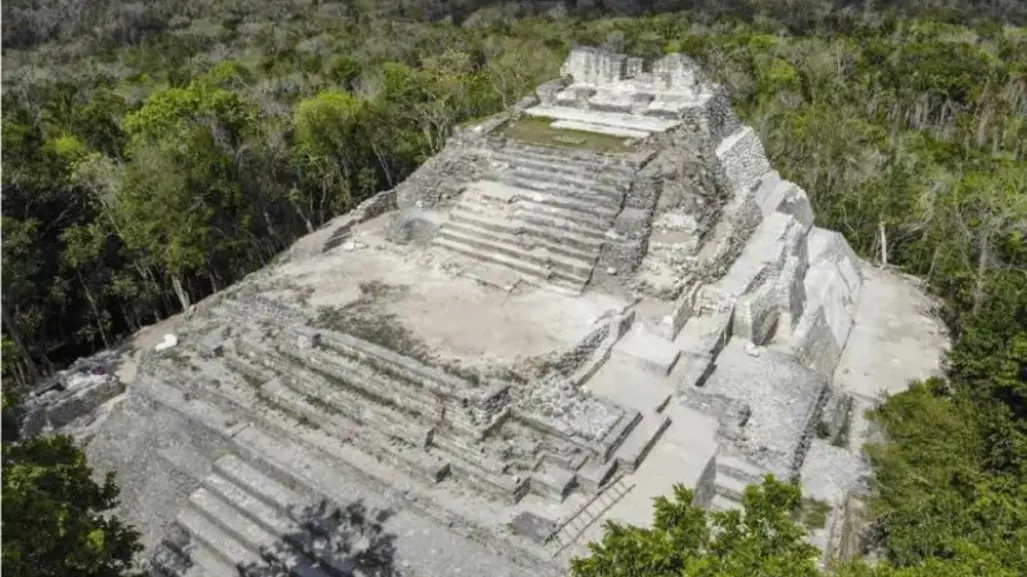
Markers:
<point>538,131</point>
<point>813,514</point>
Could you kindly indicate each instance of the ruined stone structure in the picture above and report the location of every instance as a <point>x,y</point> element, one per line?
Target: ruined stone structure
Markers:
<point>578,303</point>
<point>70,395</point>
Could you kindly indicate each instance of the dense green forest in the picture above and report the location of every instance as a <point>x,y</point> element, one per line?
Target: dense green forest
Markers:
<point>164,154</point>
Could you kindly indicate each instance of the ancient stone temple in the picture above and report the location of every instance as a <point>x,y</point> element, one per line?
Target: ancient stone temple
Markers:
<point>580,302</point>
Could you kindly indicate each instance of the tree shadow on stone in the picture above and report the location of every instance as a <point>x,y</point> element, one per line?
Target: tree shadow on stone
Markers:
<point>338,541</point>
<point>351,540</point>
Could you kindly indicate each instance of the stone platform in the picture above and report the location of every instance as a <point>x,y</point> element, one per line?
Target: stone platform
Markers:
<point>469,373</point>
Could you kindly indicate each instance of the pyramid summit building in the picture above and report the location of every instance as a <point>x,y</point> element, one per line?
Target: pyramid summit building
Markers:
<point>581,301</point>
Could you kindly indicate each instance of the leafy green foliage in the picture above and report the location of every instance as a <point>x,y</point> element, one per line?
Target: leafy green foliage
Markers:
<point>761,539</point>
<point>56,519</point>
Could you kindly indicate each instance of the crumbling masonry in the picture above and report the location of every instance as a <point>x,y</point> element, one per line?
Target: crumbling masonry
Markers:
<point>579,302</point>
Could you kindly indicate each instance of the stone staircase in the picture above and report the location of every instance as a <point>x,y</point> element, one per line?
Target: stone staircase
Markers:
<point>732,476</point>
<point>376,410</point>
<point>241,520</point>
<point>541,213</point>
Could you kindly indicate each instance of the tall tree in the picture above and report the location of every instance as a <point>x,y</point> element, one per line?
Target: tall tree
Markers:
<point>761,539</point>
<point>56,519</point>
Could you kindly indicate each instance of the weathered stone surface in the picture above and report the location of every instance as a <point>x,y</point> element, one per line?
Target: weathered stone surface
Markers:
<point>463,349</point>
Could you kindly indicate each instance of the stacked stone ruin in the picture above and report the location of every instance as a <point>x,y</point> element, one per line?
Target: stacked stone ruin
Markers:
<point>748,329</point>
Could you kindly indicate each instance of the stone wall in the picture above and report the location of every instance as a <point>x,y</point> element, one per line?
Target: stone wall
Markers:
<point>673,73</point>
<point>590,65</point>
<point>688,204</point>
<point>831,287</point>
<point>71,394</point>
<point>705,487</point>
<point>742,159</point>
<point>442,177</point>
<point>547,91</point>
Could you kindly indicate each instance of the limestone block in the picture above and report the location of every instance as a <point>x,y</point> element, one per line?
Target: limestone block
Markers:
<point>792,291</point>
<point>826,287</point>
<point>783,393</point>
<point>616,434</point>
<point>551,483</point>
<point>595,473</point>
<point>640,440</point>
<point>770,192</point>
<point>831,245</point>
<point>763,256</point>
<point>796,203</point>
<point>756,315</point>
<point>814,344</point>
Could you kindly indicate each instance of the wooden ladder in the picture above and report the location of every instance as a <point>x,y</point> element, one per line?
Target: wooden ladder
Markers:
<point>568,532</point>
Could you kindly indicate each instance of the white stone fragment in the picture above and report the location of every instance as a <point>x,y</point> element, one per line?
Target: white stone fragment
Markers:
<point>169,341</point>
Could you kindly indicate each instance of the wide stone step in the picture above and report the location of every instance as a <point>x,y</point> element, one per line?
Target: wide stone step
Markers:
<point>731,487</point>
<point>595,171</point>
<point>640,440</point>
<point>237,519</point>
<point>504,189</point>
<point>198,411</point>
<point>517,196</point>
<point>563,185</point>
<point>530,206</point>
<point>739,469</point>
<point>530,273</point>
<point>576,157</point>
<point>228,550</point>
<point>609,119</point>
<point>542,264</point>
<point>512,236</point>
<point>315,394</point>
<point>595,474</point>
<point>293,530</point>
<point>567,161</point>
<point>580,202</point>
<point>571,239</point>
<point>545,218</point>
<point>593,180</point>
<point>569,267</point>
<point>412,460</point>
<point>615,131</point>
<point>365,384</point>
<point>272,493</point>
<point>494,483</point>
<point>559,230</point>
<point>552,483</point>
